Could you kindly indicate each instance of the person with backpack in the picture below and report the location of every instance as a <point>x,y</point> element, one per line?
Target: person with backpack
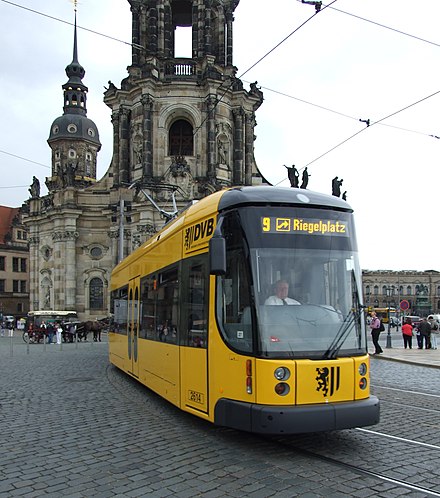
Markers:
<point>425,334</point>
<point>376,327</point>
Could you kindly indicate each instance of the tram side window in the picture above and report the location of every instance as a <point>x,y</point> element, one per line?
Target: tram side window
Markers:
<point>194,330</point>
<point>119,299</point>
<point>234,308</point>
<point>147,328</point>
<point>167,306</point>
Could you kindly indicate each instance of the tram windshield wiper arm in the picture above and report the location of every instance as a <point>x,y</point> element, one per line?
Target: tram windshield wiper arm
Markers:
<point>353,317</point>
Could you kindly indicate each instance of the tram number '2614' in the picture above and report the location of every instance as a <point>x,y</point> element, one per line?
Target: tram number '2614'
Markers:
<point>195,397</point>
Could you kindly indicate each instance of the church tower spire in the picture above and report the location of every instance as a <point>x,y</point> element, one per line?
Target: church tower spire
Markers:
<point>74,138</point>
<point>75,92</point>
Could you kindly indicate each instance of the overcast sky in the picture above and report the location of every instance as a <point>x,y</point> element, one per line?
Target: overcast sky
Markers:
<point>355,60</point>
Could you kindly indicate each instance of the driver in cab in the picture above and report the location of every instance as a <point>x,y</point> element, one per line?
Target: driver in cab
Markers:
<point>281,295</point>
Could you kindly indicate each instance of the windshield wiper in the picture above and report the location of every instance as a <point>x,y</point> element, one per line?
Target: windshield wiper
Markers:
<point>342,334</point>
<point>353,317</point>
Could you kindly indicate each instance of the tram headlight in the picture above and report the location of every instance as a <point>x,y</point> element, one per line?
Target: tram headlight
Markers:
<point>363,383</point>
<point>282,389</point>
<point>282,373</point>
<point>362,369</point>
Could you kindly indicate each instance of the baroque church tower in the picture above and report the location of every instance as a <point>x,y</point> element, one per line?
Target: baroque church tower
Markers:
<point>185,123</point>
<point>182,129</point>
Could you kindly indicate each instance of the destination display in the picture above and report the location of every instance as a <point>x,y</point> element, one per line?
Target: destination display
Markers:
<point>303,226</point>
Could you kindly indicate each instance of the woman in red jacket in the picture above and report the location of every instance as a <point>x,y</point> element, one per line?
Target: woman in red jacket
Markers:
<point>407,333</point>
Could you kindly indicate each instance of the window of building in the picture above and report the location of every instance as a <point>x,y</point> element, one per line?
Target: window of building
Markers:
<point>2,285</point>
<point>376,290</point>
<point>181,142</point>
<point>19,286</point>
<point>408,290</point>
<point>2,263</point>
<point>19,265</point>
<point>96,252</point>
<point>96,294</point>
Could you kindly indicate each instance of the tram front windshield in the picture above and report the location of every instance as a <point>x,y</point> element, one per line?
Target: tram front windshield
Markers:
<point>293,284</point>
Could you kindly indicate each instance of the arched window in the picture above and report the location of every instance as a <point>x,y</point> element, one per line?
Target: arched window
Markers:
<point>181,141</point>
<point>376,290</point>
<point>408,290</point>
<point>367,290</point>
<point>96,294</point>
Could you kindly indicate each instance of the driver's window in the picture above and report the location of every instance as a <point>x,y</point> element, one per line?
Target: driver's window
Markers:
<point>235,289</point>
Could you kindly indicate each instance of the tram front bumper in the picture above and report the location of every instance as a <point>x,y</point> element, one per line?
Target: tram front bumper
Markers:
<point>264,419</point>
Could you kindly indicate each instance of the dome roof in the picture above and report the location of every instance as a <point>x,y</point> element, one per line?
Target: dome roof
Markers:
<point>74,127</point>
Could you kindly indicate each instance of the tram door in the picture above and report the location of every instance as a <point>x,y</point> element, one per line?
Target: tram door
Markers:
<point>133,325</point>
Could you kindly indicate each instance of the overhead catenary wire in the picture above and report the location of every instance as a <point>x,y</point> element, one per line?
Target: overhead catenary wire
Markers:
<point>330,5</point>
<point>364,129</point>
<point>339,113</point>
<point>256,63</point>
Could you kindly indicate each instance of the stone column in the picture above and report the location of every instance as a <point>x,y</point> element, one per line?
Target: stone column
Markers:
<point>229,22</point>
<point>147,135</point>
<point>207,31</point>
<point>135,30</point>
<point>152,31</point>
<point>238,147</point>
<point>124,165</point>
<point>210,104</point>
<point>249,147</point>
<point>34,245</point>
<point>58,269</point>
<point>70,269</point>
<point>115,160</point>
<point>221,49</point>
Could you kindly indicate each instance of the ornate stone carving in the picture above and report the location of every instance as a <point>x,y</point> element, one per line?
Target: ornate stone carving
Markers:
<point>34,239</point>
<point>66,235</point>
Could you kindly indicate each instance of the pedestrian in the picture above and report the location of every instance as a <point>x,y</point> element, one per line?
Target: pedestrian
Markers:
<point>59,331</point>
<point>2,327</point>
<point>43,330</point>
<point>407,333</point>
<point>11,328</point>
<point>434,332</point>
<point>50,332</point>
<point>375,326</point>
<point>425,334</point>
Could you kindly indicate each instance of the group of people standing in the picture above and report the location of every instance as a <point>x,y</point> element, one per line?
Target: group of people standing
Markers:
<point>425,332</point>
<point>53,331</point>
<point>7,327</point>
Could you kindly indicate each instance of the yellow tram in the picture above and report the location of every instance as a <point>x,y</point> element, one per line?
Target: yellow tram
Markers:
<point>193,319</point>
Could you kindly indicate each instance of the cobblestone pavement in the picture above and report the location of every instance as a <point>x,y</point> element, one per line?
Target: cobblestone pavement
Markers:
<point>72,425</point>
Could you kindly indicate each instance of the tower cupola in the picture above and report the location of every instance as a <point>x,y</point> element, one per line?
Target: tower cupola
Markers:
<point>74,138</point>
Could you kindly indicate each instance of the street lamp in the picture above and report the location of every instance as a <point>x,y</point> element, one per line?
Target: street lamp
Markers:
<point>389,291</point>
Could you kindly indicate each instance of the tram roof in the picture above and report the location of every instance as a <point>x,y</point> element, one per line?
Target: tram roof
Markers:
<point>279,195</point>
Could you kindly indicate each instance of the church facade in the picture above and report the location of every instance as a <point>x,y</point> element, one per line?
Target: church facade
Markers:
<point>182,129</point>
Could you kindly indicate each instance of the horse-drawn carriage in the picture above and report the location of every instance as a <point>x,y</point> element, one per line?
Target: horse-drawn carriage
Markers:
<point>38,331</point>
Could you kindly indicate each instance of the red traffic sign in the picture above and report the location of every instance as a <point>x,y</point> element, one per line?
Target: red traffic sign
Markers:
<point>404,305</point>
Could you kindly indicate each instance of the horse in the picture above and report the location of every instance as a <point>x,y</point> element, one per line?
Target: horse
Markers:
<point>94,326</point>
